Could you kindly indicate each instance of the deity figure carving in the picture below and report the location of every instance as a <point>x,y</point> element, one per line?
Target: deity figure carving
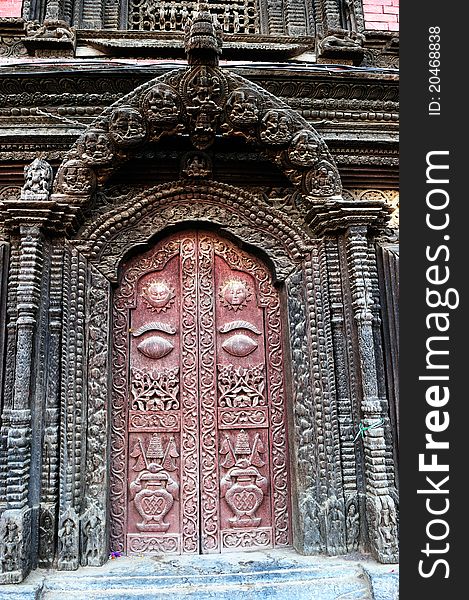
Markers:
<point>243,107</point>
<point>322,180</point>
<point>127,127</point>
<point>38,180</point>
<point>196,165</point>
<point>95,147</point>
<point>161,104</point>
<point>76,178</point>
<point>67,540</point>
<point>10,547</point>
<point>275,128</point>
<point>304,149</point>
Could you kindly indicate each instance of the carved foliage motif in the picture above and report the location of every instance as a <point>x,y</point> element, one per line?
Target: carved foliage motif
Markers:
<point>94,521</point>
<point>157,390</point>
<point>241,386</point>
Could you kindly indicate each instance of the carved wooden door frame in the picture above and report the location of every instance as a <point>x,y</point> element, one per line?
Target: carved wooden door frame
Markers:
<point>198,373</point>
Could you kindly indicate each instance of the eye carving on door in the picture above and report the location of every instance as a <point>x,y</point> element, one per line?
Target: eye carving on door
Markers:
<point>199,461</point>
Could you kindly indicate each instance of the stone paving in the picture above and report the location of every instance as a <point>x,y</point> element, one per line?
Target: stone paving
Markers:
<point>265,575</point>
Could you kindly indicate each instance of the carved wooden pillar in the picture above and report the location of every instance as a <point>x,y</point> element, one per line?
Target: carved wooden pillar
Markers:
<point>72,414</point>
<point>367,464</point>
<point>319,523</point>
<point>346,389</point>
<point>27,220</point>
<point>380,487</point>
<point>50,463</point>
<point>16,521</point>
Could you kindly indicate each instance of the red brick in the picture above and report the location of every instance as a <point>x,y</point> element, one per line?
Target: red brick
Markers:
<point>373,9</point>
<point>381,18</point>
<point>391,10</point>
<point>10,8</point>
<point>393,26</point>
<point>377,26</point>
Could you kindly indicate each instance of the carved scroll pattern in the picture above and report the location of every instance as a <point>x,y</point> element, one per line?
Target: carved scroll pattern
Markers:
<point>268,297</point>
<point>189,398</point>
<point>156,544</point>
<point>259,537</point>
<point>208,399</point>
<point>118,473</point>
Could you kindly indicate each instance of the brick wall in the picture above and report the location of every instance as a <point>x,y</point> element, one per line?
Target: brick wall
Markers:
<point>382,15</point>
<point>10,8</point>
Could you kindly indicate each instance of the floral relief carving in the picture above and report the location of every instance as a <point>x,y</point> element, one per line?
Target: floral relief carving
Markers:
<point>157,390</point>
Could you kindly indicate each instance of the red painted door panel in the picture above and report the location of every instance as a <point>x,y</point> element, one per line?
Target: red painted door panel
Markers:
<point>200,434</point>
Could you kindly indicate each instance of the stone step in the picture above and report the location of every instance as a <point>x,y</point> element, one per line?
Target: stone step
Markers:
<point>266,575</point>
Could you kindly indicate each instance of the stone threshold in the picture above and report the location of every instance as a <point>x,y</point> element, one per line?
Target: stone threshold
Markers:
<point>259,575</point>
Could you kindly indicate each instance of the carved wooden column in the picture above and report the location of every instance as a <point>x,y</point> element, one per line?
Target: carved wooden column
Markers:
<point>380,487</point>
<point>319,522</point>
<point>50,463</point>
<point>357,346</point>
<point>346,389</point>
<point>23,407</point>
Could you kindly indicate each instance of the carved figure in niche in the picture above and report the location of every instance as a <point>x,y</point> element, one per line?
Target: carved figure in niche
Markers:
<point>388,525</point>
<point>350,17</point>
<point>226,20</point>
<point>154,490</point>
<point>275,128</point>
<point>67,540</point>
<point>162,105</point>
<point>38,178</point>
<point>10,545</point>
<point>353,527</point>
<point>95,147</point>
<point>304,149</point>
<point>46,533</point>
<point>235,294</point>
<point>172,16</point>
<point>127,126</point>
<point>243,107</point>
<point>184,16</point>
<point>322,181</point>
<point>243,486</point>
<point>93,537</point>
<point>204,86</point>
<point>158,295</point>
<point>162,15</point>
<point>75,177</point>
<point>204,118</point>
<point>197,165</point>
<point>236,23</point>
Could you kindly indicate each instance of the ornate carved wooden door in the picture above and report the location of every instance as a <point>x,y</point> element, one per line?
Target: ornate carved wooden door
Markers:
<point>199,445</point>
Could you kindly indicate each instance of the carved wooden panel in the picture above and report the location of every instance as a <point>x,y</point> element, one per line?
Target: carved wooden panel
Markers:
<point>199,456</point>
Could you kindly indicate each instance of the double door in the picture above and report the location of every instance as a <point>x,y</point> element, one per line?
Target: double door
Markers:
<point>203,456</point>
